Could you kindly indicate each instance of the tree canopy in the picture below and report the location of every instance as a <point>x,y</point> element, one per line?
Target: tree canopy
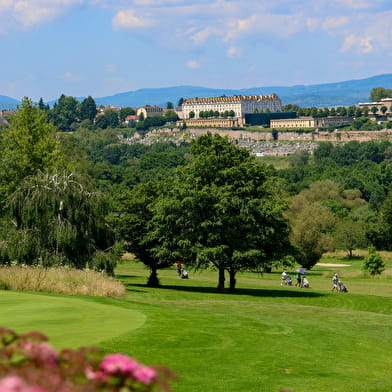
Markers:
<point>51,212</point>
<point>378,93</point>
<point>224,209</point>
<point>28,146</point>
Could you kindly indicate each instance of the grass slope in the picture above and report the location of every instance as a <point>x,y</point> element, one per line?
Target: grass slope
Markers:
<point>67,321</point>
<point>263,338</point>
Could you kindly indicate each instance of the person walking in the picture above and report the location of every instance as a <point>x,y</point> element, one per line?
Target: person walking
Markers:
<point>298,277</point>
<point>284,277</point>
<point>335,281</point>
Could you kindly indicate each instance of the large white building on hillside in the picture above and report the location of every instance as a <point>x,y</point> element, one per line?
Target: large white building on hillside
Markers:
<point>239,104</point>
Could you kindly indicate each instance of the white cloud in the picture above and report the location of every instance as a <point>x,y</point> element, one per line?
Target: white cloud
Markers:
<point>332,23</point>
<point>128,19</point>
<point>70,77</point>
<point>358,4</point>
<point>200,37</point>
<point>279,25</point>
<point>29,13</point>
<point>233,52</point>
<point>193,64</point>
<point>312,24</point>
<point>192,26</point>
<point>357,43</point>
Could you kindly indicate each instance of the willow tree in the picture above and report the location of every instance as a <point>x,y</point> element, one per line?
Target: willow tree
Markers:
<point>56,220</point>
<point>49,214</point>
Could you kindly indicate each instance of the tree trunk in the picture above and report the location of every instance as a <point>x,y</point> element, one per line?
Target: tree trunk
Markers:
<point>232,280</point>
<point>221,279</point>
<point>153,280</point>
<point>351,253</point>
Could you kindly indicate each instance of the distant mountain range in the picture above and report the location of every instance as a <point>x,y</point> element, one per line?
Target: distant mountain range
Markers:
<point>7,102</point>
<point>321,95</point>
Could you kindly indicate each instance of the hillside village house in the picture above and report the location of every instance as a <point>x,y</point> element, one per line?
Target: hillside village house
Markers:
<point>149,111</point>
<point>387,102</point>
<point>309,122</point>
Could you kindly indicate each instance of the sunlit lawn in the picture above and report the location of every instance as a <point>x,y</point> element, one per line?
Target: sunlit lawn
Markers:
<point>263,338</point>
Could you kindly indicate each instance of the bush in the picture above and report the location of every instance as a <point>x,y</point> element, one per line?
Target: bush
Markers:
<point>29,364</point>
<point>373,262</point>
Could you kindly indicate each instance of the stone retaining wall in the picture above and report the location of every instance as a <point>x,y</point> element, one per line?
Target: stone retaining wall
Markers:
<point>336,136</point>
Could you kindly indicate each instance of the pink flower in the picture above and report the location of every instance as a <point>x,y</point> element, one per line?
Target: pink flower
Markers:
<point>118,363</point>
<point>43,352</point>
<point>99,375</point>
<point>11,383</point>
<point>144,374</point>
<point>16,384</point>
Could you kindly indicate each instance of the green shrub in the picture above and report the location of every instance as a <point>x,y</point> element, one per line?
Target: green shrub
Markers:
<point>373,263</point>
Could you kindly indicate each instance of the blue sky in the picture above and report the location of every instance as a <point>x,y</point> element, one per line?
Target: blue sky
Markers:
<point>104,47</point>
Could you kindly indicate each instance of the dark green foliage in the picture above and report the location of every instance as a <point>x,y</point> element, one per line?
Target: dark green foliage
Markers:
<point>378,93</point>
<point>125,112</point>
<point>55,220</point>
<point>88,109</point>
<point>101,122</point>
<point>42,105</point>
<point>65,112</point>
<point>106,261</point>
<point>28,145</point>
<point>112,118</point>
<point>128,165</point>
<point>350,234</point>
<point>134,225</point>
<point>354,165</point>
<point>373,262</point>
<point>222,210</point>
<point>170,116</point>
<point>299,158</point>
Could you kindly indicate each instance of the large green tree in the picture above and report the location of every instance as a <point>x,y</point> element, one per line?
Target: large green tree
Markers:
<point>134,225</point>
<point>51,212</point>
<point>28,145</point>
<point>88,109</point>
<point>222,210</point>
<point>56,220</point>
<point>65,112</point>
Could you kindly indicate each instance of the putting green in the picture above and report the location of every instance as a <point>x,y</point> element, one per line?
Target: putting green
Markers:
<point>68,322</point>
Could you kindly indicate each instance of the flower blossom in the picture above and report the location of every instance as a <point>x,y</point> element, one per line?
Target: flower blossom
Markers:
<point>144,374</point>
<point>119,363</point>
<point>42,352</point>
<point>16,384</point>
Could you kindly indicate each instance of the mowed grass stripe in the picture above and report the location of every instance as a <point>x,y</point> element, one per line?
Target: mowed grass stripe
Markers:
<point>67,321</point>
<point>264,337</point>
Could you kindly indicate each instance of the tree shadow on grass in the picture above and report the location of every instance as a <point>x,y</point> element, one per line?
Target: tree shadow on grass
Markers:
<point>127,276</point>
<point>305,293</point>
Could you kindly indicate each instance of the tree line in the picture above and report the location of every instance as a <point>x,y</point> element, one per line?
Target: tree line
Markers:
<point>80,199</point>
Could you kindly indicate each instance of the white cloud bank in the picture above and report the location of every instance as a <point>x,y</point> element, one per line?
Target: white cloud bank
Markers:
<point>358,26</point>
<point>29,13</point>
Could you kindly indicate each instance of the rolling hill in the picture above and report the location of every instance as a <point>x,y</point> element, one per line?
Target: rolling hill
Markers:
<point>321,95</point>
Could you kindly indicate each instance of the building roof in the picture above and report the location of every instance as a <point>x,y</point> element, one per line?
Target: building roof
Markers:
<point>234,98</point>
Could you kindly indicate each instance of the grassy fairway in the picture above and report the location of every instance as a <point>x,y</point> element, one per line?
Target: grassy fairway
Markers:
<point>263,338</point>
<point>67,321</point>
